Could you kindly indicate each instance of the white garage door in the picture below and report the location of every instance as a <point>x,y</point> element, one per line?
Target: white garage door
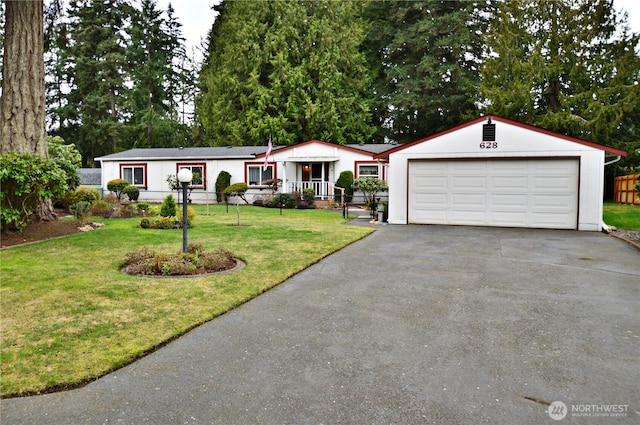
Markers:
<point>539,193</point>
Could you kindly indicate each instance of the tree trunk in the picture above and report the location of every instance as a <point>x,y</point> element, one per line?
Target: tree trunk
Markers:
<point>22,113</point>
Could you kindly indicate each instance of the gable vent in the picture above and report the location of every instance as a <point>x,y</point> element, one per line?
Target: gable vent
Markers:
<point>489,132</point>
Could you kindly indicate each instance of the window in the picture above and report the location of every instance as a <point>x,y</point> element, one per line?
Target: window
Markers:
<point>368,170</point>
<point>199,173</point>
<point>135,174</point>
<point>257,175</point>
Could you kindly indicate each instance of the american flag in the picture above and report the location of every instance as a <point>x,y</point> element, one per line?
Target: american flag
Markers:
<point>266,157</point>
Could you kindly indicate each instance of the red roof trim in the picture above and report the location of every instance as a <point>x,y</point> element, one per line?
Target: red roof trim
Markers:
<point>348,148</point>
<point>512,122</point>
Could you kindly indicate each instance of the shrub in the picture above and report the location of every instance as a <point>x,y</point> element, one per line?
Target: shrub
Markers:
<point>369,186</point>
<point>302,205</point>
<point>142,207</point>
<point>345,181</point>
<point>145,223</point>
<point>237,189</point>
<point>168,208</point>
<point>191,216</point>
<point>309,196</point>
<point>100,207</point>
<point>153,210</point>
<point>111,199</point>
<point>132,192</point>
<point>223,181</point>
<point>81,211</point>
<point>25,179</point>
<point>117,186</point>
<point>80,194</point>
<point>164,222</point>
<point>144,261</point>
<point>286,200</point>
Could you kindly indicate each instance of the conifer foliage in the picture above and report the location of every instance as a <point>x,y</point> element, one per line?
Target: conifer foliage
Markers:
<point>568,66</point>
<point>289,70</point>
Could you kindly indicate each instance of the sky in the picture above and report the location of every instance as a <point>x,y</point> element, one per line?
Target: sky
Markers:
<point>197,17</point>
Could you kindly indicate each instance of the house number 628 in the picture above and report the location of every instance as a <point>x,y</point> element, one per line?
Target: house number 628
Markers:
<point>489,145</point>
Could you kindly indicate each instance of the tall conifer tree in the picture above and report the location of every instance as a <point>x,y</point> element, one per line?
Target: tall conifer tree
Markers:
<point>566,65</point>
<point>290,70</point>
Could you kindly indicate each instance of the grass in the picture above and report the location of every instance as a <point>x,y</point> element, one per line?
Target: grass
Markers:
<point>621,216</point>
<point>68,315</point>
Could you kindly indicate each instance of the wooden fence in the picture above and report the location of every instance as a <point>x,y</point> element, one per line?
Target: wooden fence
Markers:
<point>624,191</point>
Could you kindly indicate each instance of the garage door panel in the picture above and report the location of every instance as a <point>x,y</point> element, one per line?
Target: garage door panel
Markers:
<point>468,200</point>
<point>469,183</point>
<point>508,183</point>
<point>510,192</point>
<point>508,202</point>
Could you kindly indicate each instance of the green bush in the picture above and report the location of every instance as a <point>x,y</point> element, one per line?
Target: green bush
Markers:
<point>132,192</point>
<point>168,208</point>
<point>345,181</point>
<point>237,189</point>
<point>117,186</point>
<point>164,222</point>
<point>284,200</point>
<point>191,216</point>
<point>25,179</point>
<point>81,211</point>
<point>223,181</point>
<point>81,194</point>
<point>309,196</point>
<point>145,223</point>
<point>142,207</point>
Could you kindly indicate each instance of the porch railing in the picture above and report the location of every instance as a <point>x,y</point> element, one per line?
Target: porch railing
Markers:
<point>321,189</point>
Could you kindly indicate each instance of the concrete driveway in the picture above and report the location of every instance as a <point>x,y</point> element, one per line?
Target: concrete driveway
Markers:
<point>411,325</point>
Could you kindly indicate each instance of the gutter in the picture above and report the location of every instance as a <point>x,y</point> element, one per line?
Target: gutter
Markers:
<point>605,227</point>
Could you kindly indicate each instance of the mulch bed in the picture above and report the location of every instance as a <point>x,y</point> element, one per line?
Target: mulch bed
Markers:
<point>35,232</point>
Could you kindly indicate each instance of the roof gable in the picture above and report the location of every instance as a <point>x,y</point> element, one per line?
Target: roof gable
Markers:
<point>364,149</point>
<point>494,118</point>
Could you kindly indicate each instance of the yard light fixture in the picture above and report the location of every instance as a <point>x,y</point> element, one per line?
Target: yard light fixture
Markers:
<point>184,176</point>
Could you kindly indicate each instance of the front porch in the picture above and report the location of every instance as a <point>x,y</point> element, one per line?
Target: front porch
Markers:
<point>322,190</point>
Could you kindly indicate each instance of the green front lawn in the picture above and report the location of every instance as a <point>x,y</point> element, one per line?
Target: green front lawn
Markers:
<point>621,216</point>
<point>68,314</point>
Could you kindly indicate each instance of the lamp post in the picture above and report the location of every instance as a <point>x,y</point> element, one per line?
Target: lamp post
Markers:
<point>184,176</point>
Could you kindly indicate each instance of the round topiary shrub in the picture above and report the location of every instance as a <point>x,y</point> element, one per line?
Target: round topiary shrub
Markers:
<point>117,186</point>
<point>145,223</point>
<point>132,192</point>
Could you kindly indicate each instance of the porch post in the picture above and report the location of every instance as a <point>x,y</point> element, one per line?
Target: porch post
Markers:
<point>322,195</point>
<point>284,177</point>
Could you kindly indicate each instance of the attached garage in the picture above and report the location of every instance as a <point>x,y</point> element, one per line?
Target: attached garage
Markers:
<point>497,192</point>
<point>526,177</point>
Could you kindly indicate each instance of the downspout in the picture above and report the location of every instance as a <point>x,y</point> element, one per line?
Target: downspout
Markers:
<point>605,227</point>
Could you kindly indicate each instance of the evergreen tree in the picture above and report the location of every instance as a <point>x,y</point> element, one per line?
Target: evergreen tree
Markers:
<point>149,61</point>
<point>424,60</point>
<point>55,42</point>
<point>289,70</point>
<point>95,65</point>
<point>568,66</point>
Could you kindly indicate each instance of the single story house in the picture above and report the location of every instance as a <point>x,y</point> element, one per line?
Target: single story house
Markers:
<point>312,164</point>
<point>494,171</point>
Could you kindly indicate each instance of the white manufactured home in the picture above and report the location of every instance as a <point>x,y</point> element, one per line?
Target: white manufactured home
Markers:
<point>313,164</point>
